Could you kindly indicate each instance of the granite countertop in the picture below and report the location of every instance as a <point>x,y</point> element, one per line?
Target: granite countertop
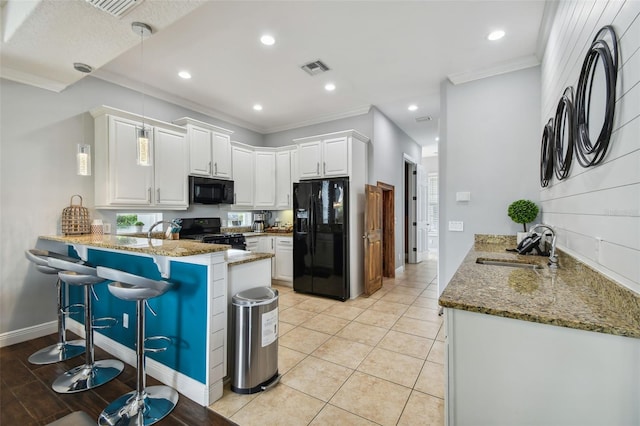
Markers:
<point>158,247</point>
<point>269,233</point>
<point>237,257</point>
<point>573,296</point>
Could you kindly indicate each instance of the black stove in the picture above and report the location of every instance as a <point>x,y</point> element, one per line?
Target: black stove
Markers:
<point>207,230</point>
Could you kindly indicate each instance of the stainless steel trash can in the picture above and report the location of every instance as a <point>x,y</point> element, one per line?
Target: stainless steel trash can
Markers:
<point>254,357</point>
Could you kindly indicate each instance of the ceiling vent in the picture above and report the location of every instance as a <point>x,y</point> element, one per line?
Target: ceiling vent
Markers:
<point>423,118</point>
<point>315,67</point>
<point>115,8</point>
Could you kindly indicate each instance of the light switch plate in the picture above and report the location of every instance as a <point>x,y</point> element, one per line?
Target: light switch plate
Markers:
<point>106,228</point>
<point>456,226</point>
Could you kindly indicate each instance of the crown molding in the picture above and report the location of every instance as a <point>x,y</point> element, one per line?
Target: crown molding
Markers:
<point>32,79</point>
<point>323,119</point>
<point>500,68</point>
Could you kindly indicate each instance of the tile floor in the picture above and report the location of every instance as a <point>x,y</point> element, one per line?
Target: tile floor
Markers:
<point>369,361</point>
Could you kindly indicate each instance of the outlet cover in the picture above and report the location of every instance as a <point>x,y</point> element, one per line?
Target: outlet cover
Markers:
<point>125,320</point>
<point>106,228</point>
<point>456,226</point>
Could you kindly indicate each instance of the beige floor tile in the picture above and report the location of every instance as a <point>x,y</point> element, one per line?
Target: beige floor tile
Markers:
<point>431,293</point>
<point>436,354</point>
<point>384,403</point>
<point>418,284</point>
<point>389,307</point>
<point>416,327</point>
<point>407,344</point>
<point>231,402</point>
<point>405,299</point>
<point>380,293</point>
<point>334,416</point>
<point>317,377</point>
<point>343,352</point>
<point>280,406</point>
<point>361,302</point>
<point>303,340</point>
<point>422,313</point>
<point>440,336</point>
<point>289,299</point>
<point>426,302</point>
<point>344,310</point>
<point>413,291</point>
<point>392,366</point>
<point>296,316</point>
<point>363,333</point>
<point>316,304</point>
<point>325,323</point>
<point>282,289</point>
<point>431,379</point>
<point>377,318</point>
<point>285,327</point>
<point>288,358</point>
<point>422,409</point>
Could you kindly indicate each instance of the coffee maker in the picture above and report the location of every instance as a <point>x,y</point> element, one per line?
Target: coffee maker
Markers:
<point>258,222</point>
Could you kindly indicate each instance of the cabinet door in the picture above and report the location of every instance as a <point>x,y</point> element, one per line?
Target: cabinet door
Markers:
<point>129,184</point>
<point>265,187</point>
<point>295,172</point>
<point>243,174</point>
<point>335,157</point>
<point>283,179</point>
<point>253,244</point>
<point>284,259</point>
<point>221,155</point>
<point>199,151</point>
<point>170,168</point>
<point>266,244</point>
<point>309,159</point>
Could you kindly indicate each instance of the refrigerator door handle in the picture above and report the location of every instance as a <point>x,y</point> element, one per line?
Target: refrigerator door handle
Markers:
<point>310,231</point>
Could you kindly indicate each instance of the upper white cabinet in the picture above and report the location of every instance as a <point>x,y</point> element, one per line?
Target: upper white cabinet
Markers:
<point>243,175</point>
<point>265,179</point>
<point>119,181</point>
<point>328,155</point>
<point>283,179</point>
<point>209,149</point>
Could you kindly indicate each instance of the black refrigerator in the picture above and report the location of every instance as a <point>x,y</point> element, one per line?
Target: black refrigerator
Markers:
<point>321,237</point>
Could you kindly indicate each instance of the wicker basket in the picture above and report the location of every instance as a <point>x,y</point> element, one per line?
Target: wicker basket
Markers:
<point>75,219</point>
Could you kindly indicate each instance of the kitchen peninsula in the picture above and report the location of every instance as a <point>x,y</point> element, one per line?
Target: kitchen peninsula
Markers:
<point>530,345</point>
<point>194,314</point>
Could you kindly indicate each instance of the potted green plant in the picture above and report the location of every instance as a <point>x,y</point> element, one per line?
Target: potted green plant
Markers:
<point>523,211</point>
<point>139,226</point>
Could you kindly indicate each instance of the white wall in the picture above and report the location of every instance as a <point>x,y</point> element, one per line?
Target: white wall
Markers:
<point>489,146</point>
<point>601,202</point>
<point>39,131</point>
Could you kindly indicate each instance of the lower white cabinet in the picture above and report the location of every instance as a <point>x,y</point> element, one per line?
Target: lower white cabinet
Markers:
<point>284,259</point>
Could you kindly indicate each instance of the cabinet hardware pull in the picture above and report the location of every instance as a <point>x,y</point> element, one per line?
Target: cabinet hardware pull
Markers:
<point>324,168</point>
<point>318,168</point>
<point>149,194</point>
<point>209,167</point>
<point>216,167</point>
<point>288,199</point>
<point>158,191</point>
<point>234,198</point>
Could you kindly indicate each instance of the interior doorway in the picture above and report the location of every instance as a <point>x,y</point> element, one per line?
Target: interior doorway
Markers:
<point>388,230</point>
<point>411,201</point>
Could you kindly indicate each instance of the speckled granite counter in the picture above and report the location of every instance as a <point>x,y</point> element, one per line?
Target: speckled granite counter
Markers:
<point>268,233</point>
<point>574,296</point>
<point>237,257</point>
<point>158,247</point>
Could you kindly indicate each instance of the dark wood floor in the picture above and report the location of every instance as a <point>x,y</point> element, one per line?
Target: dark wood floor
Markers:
<point>26,397</point>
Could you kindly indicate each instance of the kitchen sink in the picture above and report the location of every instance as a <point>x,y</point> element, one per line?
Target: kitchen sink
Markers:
<point>508,263</point>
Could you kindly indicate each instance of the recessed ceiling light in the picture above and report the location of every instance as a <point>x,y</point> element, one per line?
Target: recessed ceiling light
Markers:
<point>267,40</point>
<point>412,107</point>
<point>437,139</point>
<point>329,87</point>
<point>184,74</point>
<point>257,107</point>
<point>495,35</point>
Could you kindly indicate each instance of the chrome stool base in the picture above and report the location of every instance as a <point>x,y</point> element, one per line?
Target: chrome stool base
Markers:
<point>86,377</point>
<point>58,352</point>
<point>138,409</point>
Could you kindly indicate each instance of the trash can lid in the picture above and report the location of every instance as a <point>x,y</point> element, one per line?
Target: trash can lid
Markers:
<point>255,296</point>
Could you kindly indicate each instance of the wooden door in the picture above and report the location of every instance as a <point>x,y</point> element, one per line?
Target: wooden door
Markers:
<point>372,239</point>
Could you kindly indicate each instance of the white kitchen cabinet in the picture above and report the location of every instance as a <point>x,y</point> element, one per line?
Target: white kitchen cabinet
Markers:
<point>170,154</point>
<point>283,179</point>
<point>326,157</point>
<point>252,243</point>
<point>119,181</point>
<point>209,149</point>
<point>243,176</point>
<point>309,159</point>
<point>283,270</point>
<point>266,244</point>
<point>295,168</point>
<point>265,179</point>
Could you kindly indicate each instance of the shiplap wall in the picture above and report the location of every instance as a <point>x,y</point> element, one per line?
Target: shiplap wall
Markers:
<point>597,210</point>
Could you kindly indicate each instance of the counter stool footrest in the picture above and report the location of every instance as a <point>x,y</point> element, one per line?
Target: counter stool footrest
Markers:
<point>110,322</point>
<point>67,310</point>
<point>165,339</point>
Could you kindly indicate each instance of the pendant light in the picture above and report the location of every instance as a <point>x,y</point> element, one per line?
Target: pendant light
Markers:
<point>143,154</point>
<point>83,150</point>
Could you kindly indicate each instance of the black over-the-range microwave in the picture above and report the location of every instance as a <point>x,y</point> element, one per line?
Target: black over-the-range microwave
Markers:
<point>204,190</point>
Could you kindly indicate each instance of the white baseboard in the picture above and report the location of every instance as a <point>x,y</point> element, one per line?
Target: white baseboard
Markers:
<point>400,269</point>
<point>18,336</point>
<point>191,388</point>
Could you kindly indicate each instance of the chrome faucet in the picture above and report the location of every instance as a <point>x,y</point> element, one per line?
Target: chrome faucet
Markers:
<point>173,224</point>
<point>553,258</point>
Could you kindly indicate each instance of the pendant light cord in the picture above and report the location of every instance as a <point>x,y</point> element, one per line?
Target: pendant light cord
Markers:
<point>143,83</point>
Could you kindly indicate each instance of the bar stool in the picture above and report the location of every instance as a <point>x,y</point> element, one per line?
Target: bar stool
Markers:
<point>62,350</point>
<point>145,405</point>
<point>92,373</point>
